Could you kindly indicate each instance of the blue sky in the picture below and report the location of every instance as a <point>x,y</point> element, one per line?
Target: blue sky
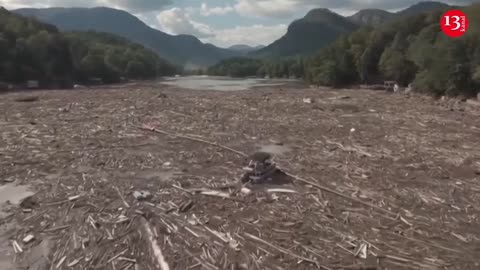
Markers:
<point>228,22</point>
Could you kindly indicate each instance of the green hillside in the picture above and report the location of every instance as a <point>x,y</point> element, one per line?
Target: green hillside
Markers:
<point>31,50</point>
<point>320,27</point>
<point>110,57</point>
<point>411,49</point>
<point>317,29</point>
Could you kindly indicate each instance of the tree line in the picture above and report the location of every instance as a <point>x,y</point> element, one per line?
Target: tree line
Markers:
<point>271,67</point>
<point>31,50</point>
<point>407,50</point>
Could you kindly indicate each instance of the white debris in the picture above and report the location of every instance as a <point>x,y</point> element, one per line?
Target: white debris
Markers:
<point>396,88</point>
<point>274,197</point>
<point>142,195</point>
<point>245,190</point>
<point>61,262</point>
<point>362,251</point>
<point>79,86</point>
<point>215,193</point>
<point>247,169</point>
<point>409,89</point>
<point>340,97</point>
<point>73,198</point>
<point>121,219</point>
<point>280,190</point>
<point>308,100</point>
<point>227,238</point>
<point>73,263</point>
<point>29,238</point>
<point>16,247</point>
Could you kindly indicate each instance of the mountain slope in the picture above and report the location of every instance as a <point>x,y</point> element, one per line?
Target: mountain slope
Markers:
<point>320,27</point>
<point>406,50</point>
<point>421,7</point>
<point>180,49</point>
<point>243,49</point>
<point>372,17</point>
<point>376,17</point>
<point>317,29</point>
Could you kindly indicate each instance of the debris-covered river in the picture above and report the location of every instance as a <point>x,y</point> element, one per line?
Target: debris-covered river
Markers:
<point>226,83</point>
<point>149,177</point>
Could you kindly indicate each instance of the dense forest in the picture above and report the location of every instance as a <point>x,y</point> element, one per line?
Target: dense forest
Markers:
<point>271,67</point>
<point>407,50</point>
<point>30,50</point>
<point>110,57</point>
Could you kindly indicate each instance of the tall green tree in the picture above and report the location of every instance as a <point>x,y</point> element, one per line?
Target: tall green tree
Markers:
<point>394,65</point>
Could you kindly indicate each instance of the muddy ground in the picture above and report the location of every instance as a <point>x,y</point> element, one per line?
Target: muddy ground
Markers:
<point>378,180</point>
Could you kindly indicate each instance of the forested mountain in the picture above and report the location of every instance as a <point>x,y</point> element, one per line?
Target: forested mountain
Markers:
<point>376,17</point>
<point>31,50</point>
<point>372,17</point>
<point>317,29</point>
<point>320,27</point>
<point>245,48</point>
<point>421,7</point>
<point>180,49</point>
<point>110,57</point>
<point>410,49</point>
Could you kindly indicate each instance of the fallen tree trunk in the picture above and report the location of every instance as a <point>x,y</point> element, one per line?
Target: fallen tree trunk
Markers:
<point>156,251</point>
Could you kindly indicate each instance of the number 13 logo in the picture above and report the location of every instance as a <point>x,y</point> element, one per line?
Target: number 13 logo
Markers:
<point>454,23</point>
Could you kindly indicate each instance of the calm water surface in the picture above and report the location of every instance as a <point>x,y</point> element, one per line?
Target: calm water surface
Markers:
<point>225,83</point>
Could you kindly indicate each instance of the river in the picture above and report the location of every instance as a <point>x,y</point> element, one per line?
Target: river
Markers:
<point>226,83</point>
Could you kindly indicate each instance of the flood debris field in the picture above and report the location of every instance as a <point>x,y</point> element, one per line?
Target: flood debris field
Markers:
<point>149,178</point>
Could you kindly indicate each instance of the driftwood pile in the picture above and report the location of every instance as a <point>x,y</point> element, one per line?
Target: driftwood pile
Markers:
<point>129,179</point>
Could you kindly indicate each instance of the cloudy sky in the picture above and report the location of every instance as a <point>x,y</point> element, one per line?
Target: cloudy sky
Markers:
<point>224,22</point>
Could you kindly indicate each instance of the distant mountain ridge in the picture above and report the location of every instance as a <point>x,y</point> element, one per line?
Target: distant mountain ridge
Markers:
<point>316,30</point>
<point>375,17</point>
<point>320,27</point>
<point>179,49</point>
<point>245,48</point>
<point>421,7</point>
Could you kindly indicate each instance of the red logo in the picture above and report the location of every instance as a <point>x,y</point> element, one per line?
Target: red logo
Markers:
<point>454,23</point>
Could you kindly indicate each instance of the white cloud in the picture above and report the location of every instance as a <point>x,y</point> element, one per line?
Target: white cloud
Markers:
<point>206,11</point>
<point>138,5</point>
<point>13,4</point>
<point>256,8</point>
<point>178,21</point>
<point>135,6</point>
<point>267,8</point>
